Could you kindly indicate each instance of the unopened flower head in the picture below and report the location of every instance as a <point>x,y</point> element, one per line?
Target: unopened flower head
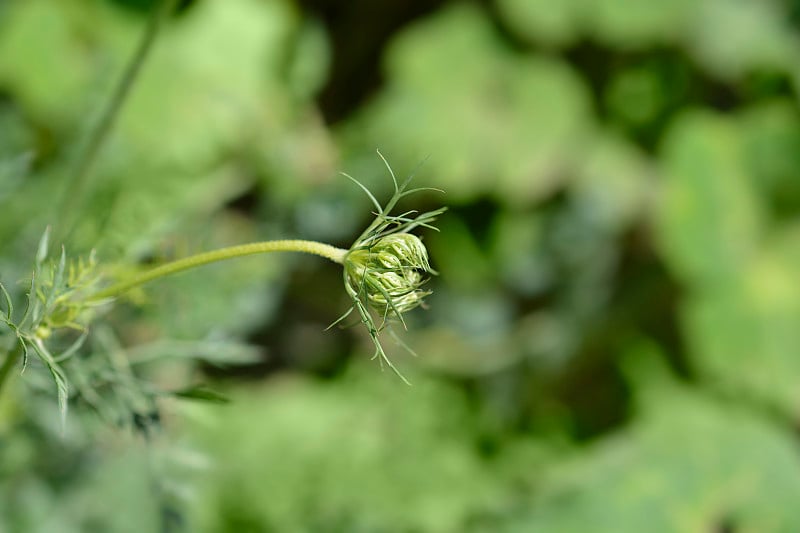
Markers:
<point>389,273</point>
<point>387,266</point>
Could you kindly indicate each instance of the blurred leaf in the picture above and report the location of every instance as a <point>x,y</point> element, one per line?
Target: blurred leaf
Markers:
<point>746,339</point>
<point>541,20</point>
<point>710,220</point>
<point>495,123</point>
<point>330,457</point>
<point>688,463</point>
<point>637,95</point>
<point>636,24</point>
<point>617,22</point>
<point>202,393</point>
<point>40,60</point>
<point>731,38</point>
<point>771,138</point>
<point>213,74</point>
<point>741,314</point>
<point>310,61</point>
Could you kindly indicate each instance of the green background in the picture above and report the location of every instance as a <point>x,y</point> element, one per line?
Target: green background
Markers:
<point>613,343</point>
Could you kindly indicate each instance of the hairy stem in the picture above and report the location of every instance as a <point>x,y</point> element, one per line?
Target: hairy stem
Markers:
<point>12,358</point>
<point>74,188</point>
<point>310,247</point>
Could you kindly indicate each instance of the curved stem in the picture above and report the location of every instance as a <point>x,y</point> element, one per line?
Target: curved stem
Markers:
<point>310,247</point>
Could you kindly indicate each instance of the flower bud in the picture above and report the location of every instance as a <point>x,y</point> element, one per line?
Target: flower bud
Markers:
<point>389,272</point>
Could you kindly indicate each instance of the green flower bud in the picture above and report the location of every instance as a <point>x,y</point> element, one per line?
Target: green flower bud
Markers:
<point>389,272</point>
<point>387,266</point>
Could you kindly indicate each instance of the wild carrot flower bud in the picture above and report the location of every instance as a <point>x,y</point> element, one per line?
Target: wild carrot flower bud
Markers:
<point>389,273</point>
<point>387,266</point>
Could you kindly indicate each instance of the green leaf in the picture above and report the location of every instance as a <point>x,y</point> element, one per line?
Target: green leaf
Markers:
<point>60,380</point>
<point>41,59</point>
<point>619,23</point>
<point>9,304</point>
<point>57,282</point>
<point>215,75</point>
<point>688,463</point>
<point>495,123</point>
<point>635,25</point>
<point>764,37</point>
<point>710,222</point>
<point>542,21</point>
<point>771,143</point>
<point>201,393</point>
<point>744,340</point>
<point>42,250</point>
<point>328,455</point>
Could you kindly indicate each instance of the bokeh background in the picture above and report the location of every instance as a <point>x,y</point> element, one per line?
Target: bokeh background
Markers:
<point>613,343</point>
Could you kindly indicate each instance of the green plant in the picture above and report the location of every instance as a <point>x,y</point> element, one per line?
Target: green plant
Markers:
<point>384,273</point>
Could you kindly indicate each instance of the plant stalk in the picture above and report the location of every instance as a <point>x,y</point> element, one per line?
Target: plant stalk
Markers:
<point>72,194</point>
<point>310,247</point>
